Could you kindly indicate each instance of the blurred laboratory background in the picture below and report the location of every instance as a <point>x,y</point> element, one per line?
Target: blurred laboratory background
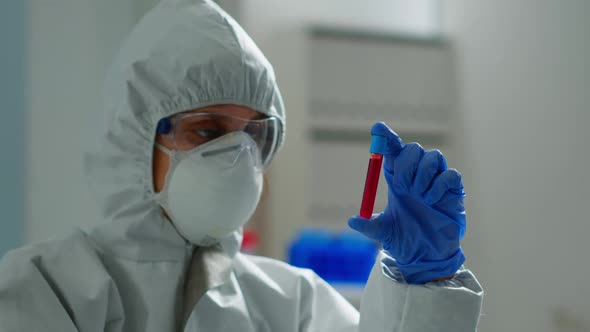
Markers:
<point>501,87</point>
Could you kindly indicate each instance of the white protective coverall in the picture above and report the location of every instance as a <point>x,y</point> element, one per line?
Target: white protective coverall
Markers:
<point>134,273</point>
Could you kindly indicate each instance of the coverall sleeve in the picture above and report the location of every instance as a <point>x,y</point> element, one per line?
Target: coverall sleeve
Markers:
<point>389,304</point>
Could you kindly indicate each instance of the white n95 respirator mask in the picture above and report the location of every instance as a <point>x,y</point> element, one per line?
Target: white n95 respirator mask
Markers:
<point>212,190</point>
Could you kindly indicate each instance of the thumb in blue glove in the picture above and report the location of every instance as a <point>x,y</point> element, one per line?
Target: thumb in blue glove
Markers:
<point>425,217</point>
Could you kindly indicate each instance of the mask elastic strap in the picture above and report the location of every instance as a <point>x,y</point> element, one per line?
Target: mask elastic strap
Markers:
<point>164,149</point>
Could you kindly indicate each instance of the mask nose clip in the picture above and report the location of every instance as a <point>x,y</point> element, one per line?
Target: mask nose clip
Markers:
<point>232,154</point>
<point>229,154</point>
<point>228,150</point>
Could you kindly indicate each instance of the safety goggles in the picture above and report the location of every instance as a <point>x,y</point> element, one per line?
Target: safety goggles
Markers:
<point>190,130</point>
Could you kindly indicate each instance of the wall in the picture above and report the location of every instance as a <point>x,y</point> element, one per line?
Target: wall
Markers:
<point>12,76</point>
<point>420,17</point>
<point>70,45</point>
<point>525,85</point>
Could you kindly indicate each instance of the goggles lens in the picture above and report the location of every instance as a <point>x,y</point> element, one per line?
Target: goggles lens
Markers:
<point>190,130</point>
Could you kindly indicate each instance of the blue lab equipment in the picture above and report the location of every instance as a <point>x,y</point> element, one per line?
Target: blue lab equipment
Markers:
<point>337,257</point>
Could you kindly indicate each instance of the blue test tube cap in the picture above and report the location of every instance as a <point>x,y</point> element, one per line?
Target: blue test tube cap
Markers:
<point>378,144</point>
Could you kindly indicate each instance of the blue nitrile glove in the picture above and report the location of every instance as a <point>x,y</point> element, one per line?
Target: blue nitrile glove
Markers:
<point>425,216</point>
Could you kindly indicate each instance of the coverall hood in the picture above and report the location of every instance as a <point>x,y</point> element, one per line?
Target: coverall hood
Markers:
<point>183,55</point>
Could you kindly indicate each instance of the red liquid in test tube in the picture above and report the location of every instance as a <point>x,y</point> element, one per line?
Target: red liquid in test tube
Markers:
<point>373,173</point>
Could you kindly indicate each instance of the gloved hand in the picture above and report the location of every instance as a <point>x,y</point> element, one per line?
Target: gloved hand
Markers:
<point>425,216</point>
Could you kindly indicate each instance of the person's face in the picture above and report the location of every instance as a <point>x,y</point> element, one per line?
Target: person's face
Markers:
<point>161,161</point>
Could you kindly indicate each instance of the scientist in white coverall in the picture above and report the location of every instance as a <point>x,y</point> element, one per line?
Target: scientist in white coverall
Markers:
<point>193,117</point>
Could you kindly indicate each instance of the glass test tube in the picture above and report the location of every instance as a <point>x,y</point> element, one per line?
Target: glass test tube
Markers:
<point>378,145</point>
